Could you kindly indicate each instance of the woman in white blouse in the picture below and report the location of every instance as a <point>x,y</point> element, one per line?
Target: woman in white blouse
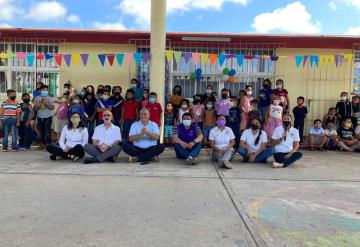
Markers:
<point>74,137</point>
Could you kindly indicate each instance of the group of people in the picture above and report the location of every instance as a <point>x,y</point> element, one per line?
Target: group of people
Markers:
<point>102,123</point>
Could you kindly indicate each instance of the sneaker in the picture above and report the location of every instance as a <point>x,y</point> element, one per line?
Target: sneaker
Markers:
<point>4,149</point>
<point>133,159</point>
<point>189,160</point>
<point>53,157</point>
<point>227,164</point>
<point>14,150</point>
<point>195,161</point>
<point>277,165</point>
<point>89,160</point>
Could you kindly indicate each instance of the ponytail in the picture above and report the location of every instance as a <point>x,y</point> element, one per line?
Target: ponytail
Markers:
<point>258,138</point>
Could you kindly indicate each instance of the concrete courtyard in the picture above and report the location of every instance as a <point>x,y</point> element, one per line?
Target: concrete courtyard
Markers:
<point>316,202</point>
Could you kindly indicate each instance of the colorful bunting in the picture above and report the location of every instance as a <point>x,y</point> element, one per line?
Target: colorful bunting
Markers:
<point>76,58</point>
<point>298,60</point>
<point>128,58</point>
<point>93,59</point>
<point>137,57</point>
<point>305,60</point>
<point>195,57</point>
<point>31,59</point>
<point>146,57</point>
<point>204,58</point>
<point>111,58</point>
<point>3,55</point>
<point>40,56</point>
<point>221,59</point>
<point>120,58</point>
<point>21,55</point>
<point>58,59</point>
<point>240,59</point>
<point>177,56</point>
<point>169,55</point>
<point>186,56</point>
<point>11,55</point>
<point>213,58</point>
<point>67,58</point>
<point>84,58</point>
<point>102,58</point>
<point>48,56</point>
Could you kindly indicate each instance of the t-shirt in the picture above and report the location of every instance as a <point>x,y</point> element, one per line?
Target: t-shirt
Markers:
<point>209,117</point>
<point>346,134</point>
<point>104,104</point>
<point>169,119</point>
<point>187,135</point>
<point>89,106</point>
<point>107,135</point>
<point>234,116</point>
<point>249,139</point>
<point>198,111</point>
<point>43,111</point>
<point>264,97</point>
<point>25,112</point>
<point>145,141</point>
<point>117,104</point>
<point>175,100</point>
<point>78,109</point>
<point>139,93</point>
<point>331,132</point>
<point>130,110</point>
<point>300,112</point>
<point>221,138</point>
<point>62,112</point>
<point>282,95</point>
<point>315,131</point>
<point>155,112</point>
<point>286,145</point>
<point>222,106</point>
<point>10,109</point>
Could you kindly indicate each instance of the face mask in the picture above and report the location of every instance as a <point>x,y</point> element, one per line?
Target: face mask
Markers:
<point>105,97</point>
<point>44,93</point>
<point>13,98</point>
<point>279,87</point>
<point>254,126</point>
<point>220,123</point>
<point>152,100</point>
<point>347,125</point>
<point>82,94</point>
<point>224,96</point>
<point>26,100</point>
<point>287,124</point>
<point>209,106</point>
<point>183,106</point>
<point>187,123</point>
<point>209,91</point>
<point>177,92</point>
<point>266,85</point>
<point>76,101</point>
<point>249,93</point>
<point>197,101</point>
<point>66,89</point>
<point>343,98</point>
<point>75,121</point>
<point>276,102</point>
<point>251,108</point>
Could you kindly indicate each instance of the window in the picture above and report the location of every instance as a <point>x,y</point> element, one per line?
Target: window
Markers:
<point>356,75</point>
<point>2,82</point>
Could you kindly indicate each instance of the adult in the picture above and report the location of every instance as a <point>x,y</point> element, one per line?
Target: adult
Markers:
<point>176,98</point>
<point>138,90</point>
<point>73,138</point>
<point>105,141</point>
<point>264,98</point>
<point>143,138</point>
<point>286,140</point>
<point>117,101</point>
<point>223,105</point>
<point>253,144</point>
<point>282,93</point>
<point>209,93</point>
<point>187,140</point>
<point>222,141</point>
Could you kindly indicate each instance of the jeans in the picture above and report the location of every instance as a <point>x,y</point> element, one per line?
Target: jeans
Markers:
<point>90,127</point>
<point>44,127</point>
<point>280,158</point>
<point>9,125</point>
<point>99,156</point>
<point>262,110</point>
<point>262,157</point>
<point>182,153</point>
<point>299,124</point>
<point>25,134</point>
<point>143,154</point>
<point>77,151</point>
<point>127,126</point>
<point>228,155</point>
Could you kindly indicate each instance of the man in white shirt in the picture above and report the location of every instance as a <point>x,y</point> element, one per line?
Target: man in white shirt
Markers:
<point>286,140</point>
<point>105,141</point>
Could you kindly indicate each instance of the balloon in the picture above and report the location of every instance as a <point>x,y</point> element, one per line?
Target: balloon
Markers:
<point>193,76</point>
<point>225,71</point>
<point>198,71</point>
<point>232,79</point>
<point>225,77</point>
<point>232,72</point>
<point>274,58</point>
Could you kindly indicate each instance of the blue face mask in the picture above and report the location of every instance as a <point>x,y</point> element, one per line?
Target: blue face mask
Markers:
<point>152,100</point>
<point>187,123</point>
<point>44,93</point>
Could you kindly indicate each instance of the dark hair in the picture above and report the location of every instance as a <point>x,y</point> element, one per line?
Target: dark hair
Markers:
<point>66,93</point>
<point>146,90</point>
<point>224,89</point>
<point>301,97</point>
<point>212,99</point>
<point>210,86</point>
<point>254,101</point>
<point>153,94</point>
<point>130,91</point>
<point>177,87</point>
<point>186,114</point>
<point>9,91</point>
<point>90,86</point>
<point>185,100</point>
<point>260,132</point>
<point>317,120</point>
<point>242,91</point>
<point>267,80</point>
<point>197,95</point>
<point>25,94</point>
<point>67,85</point>
<point>70,125</point>
<point>43,86</point>
<point>108,87</point>
<point>331,109</point>
<point>217,117</point>
<point>116,87</point>
<point>100,91</point>
<point>134,79</point>
<point>101,85</point>
<point>280,80</point>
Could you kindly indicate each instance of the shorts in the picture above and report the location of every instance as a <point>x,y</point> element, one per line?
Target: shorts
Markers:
<point>207,131</point>
<point>317,140</point>
<point>59,125</point>
<point>168,131</point>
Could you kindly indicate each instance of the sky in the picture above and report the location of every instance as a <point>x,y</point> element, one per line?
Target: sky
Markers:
<point>228,16</point>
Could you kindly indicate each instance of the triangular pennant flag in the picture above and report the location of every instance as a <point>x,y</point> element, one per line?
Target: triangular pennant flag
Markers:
<point>321,60</point>
<point>305,60</point>
<point>120,58</point>
<point>11,55</point>
<point>93,59</point>
<point>213,58</point>
<point>137,57</point>
<point>111,58</point>
<point>84,58</point>
<point>128,58</point>
<point>341,59</point>
<point>204,58</point>
<point>21,55</point>
<point>177,56</point>
<point>298,60</point>
<point>30,58</point>
<point>229,56</point>
<point>240,59</point>
<point>76,58</point>
<point>312,59</point>
<point>195,57</point>
<point>58,59</point>
<point>169,55</point>
<point>102,58</point>
<point>186,56</point>
<point>221,59</point>
<point>316,60</point>
<point>146,57</point>
<point>48,56</point>
<point>3,55</point>
<point>349,58</point>
<point>40,56</point>
<point>337,57</point>
<point>67,58</point>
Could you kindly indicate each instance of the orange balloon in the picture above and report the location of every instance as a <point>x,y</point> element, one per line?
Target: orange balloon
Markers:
<point>232,79</point>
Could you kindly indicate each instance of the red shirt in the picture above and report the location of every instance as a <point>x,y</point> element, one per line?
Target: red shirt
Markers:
<point>155,112</point>
<point>130,108</point>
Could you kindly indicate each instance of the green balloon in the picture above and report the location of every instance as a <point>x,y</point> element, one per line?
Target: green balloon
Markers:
<point>193,76</point>
<point>226,71</point>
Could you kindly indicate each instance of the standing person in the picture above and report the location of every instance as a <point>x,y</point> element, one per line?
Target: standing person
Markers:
<point>245,107</point>
<point>317,137</point>
<point>347,140</point>
<point>355,111</point>
<point>254,112</point>
<point>169,122</point>
<point>209,94</point>
<point>129,112</point>
<point>44,105</point>
<point>155,109</point>
<point>265,98</point>
<point>138,91</point>
<point>76,107</point>
<point>37,90</point>
<point>176,98</point>
<point>234,120</point>
<point>198,111</point>
<point>90,113</point>
<point>222,142</point>
<point>105,141</point>
<point>209,118</point>
<point>282,94</point>
<point>10,111</point>
<point>61,114</point>
<point>273,116</point>
<point>300,112</point>
<point>25,130</point>
<point>187,140</point>
<point>74,136</point>
<point>144,136</point>
<point>185,108</point>
<point>117,101</point>
<point>103,104</point>
<point>286,140</point>
<point>223,105</point>
<point>145,100</point>
<point>90,89</point>
<point>343,107</point>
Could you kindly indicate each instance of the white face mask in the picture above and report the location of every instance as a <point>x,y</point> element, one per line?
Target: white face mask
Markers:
<point>344,98</point>
<point>279,86</point>
<point>76,101</point>
<point>183,106</point>
<point>249,93</point>
<point>105,97</point>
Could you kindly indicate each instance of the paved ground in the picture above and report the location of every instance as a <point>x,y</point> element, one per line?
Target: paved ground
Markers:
<point>314,203</point>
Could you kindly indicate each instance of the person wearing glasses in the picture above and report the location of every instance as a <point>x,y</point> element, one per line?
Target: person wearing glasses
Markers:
<point>143,143</point>
<point>105,141</point>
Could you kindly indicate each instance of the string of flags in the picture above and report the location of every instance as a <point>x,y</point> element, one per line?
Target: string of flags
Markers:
<point>75,58</point>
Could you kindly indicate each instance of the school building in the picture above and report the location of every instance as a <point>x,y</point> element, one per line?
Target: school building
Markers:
<point>317,67</point>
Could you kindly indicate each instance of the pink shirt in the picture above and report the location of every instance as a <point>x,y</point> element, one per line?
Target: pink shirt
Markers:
<point>63,111</point>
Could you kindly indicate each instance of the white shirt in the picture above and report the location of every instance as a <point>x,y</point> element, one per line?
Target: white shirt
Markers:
<point>249,138</point>
<point>71,138</point>
<point>314,131</point>
<point>105,135</point>
<point>285,146</point>
<point>331,132</point>
<point>221,138</point>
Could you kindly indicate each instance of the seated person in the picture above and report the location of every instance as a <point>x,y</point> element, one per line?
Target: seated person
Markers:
<point>187,140</point>
<point>73,138</point>
<point>143,138</point>
<point>222,142</point>
<point>332,136</point>
<point>357,132</point>
<point>105,141</point>
<point>317,137</point>
<point>253,144</point>
<point>347,140</point>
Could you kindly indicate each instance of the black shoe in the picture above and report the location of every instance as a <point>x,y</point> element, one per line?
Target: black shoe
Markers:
<point>89,160</point>
<point>144,163</point>
<point>112,159</point>
<point>53,157</point>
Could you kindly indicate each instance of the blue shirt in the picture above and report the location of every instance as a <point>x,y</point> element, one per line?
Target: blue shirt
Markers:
<point>36,93</point>
<point>78,109</point>
<point>145,141</point>
<point>264,97</point>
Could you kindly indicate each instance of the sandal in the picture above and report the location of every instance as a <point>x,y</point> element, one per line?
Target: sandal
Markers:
<point>277,165</point>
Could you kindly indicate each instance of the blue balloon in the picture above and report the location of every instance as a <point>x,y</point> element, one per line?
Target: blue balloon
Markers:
<point>198,71</point>
<point>232,72</point>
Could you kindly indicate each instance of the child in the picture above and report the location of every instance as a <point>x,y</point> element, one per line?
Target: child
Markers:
<point>25,128</point>
<point>10,119</point>
<point>355,110</point>
<point>347,141</point>
<point>209,117</point>
<point>185,107</point>
<point>332,136</point>
<point>317,137</point>
<point>254,112</point>
<point>103,104</point>
<point>245,107</point>
<point>129,112</point>
<point>155,109</point>
<point>300,112</point>
<point>282,93</point>
<point>90,112</point>
<point>61,114</point>
<point>198,111</point>
<point>234,120</point>
<point>145,99</point>
<point>169,122</point>
<point>331,117</point>
<point>76,107</point>
<point>273,116</point>
<point>264,97</point>
<point>343,107</point>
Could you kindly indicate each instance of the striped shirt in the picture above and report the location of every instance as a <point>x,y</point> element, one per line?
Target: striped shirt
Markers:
<point>10,109</point>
